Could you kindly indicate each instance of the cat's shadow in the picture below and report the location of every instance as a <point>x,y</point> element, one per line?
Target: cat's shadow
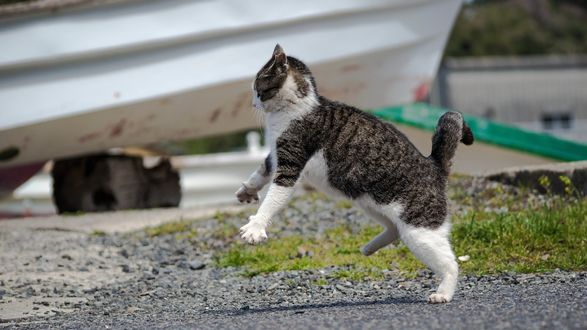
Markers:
<point>309,307</point>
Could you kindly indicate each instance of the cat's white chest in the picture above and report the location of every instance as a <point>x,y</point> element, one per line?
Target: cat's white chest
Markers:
<point>316,174</point>
<point>275,124</point>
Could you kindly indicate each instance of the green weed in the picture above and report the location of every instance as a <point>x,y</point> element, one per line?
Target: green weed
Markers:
<point>179,227</point>
<point>531,240</point>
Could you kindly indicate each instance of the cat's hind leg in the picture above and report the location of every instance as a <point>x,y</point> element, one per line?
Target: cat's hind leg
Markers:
<point>386,237</point>
<point>432,247</point>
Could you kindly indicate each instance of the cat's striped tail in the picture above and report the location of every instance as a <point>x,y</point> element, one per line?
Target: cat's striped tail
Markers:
<point>451,130</point>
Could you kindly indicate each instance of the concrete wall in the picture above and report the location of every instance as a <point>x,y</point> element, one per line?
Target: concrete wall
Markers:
<point>521,91</point>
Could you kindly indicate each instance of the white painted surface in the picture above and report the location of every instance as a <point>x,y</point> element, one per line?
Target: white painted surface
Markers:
<point>87,80</point>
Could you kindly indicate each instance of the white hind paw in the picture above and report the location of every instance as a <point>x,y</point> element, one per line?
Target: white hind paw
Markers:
<point>438,298</point>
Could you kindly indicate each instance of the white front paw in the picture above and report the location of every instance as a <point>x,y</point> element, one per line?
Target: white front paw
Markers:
<point>247,195</point>
<point>253,232</point>
<point>438,298</point>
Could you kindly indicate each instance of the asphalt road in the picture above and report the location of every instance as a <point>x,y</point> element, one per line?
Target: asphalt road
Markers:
<point>551,306</point>
<point>555,301</point>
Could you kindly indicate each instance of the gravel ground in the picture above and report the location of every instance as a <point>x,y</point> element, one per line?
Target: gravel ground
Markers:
<point>76,280</point>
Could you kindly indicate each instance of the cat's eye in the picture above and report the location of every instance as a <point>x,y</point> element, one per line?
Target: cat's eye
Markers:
<point>268,93</point>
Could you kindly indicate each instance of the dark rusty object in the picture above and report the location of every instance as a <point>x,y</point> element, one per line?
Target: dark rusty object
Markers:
<point>113,182</point>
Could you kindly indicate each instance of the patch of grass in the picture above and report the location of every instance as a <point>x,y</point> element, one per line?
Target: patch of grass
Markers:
<point>496,196</point>
<point>225,231</point>
<point>313,196</point>
<point>98,233</point>
<point>189,234</point>
<point>344,204</point>
<point>339,246</point>
<point>179,227</point>
<point>531,240</point>
<point>320,282</point>
<point>221,216</point>
<point>526,241</point>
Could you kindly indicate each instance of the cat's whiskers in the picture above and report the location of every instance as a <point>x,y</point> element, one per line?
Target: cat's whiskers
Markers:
<point>259,117</point>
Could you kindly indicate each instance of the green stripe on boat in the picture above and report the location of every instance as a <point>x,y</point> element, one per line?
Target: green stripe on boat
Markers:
<point>426,116</point>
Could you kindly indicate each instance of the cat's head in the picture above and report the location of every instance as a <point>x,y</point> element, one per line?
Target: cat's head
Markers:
<point>284,83</point>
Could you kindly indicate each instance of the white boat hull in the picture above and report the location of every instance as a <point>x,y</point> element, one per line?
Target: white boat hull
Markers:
<point>86,81</point>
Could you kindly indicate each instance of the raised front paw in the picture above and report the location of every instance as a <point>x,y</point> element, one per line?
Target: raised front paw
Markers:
<point>253,232</point>
<point>247,195</point>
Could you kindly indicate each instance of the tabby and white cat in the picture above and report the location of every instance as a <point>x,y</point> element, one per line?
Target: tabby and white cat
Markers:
<point>349,153</point>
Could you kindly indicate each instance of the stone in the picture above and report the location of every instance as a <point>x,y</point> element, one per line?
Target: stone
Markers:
<point>196,265</point>
<point>125,268</point>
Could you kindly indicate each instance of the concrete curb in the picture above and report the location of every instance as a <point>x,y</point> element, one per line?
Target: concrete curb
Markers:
<point>528,176</point>
<point>115,222</point>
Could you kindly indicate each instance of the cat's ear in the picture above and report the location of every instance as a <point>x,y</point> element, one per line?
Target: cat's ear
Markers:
<point>279,55</point>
